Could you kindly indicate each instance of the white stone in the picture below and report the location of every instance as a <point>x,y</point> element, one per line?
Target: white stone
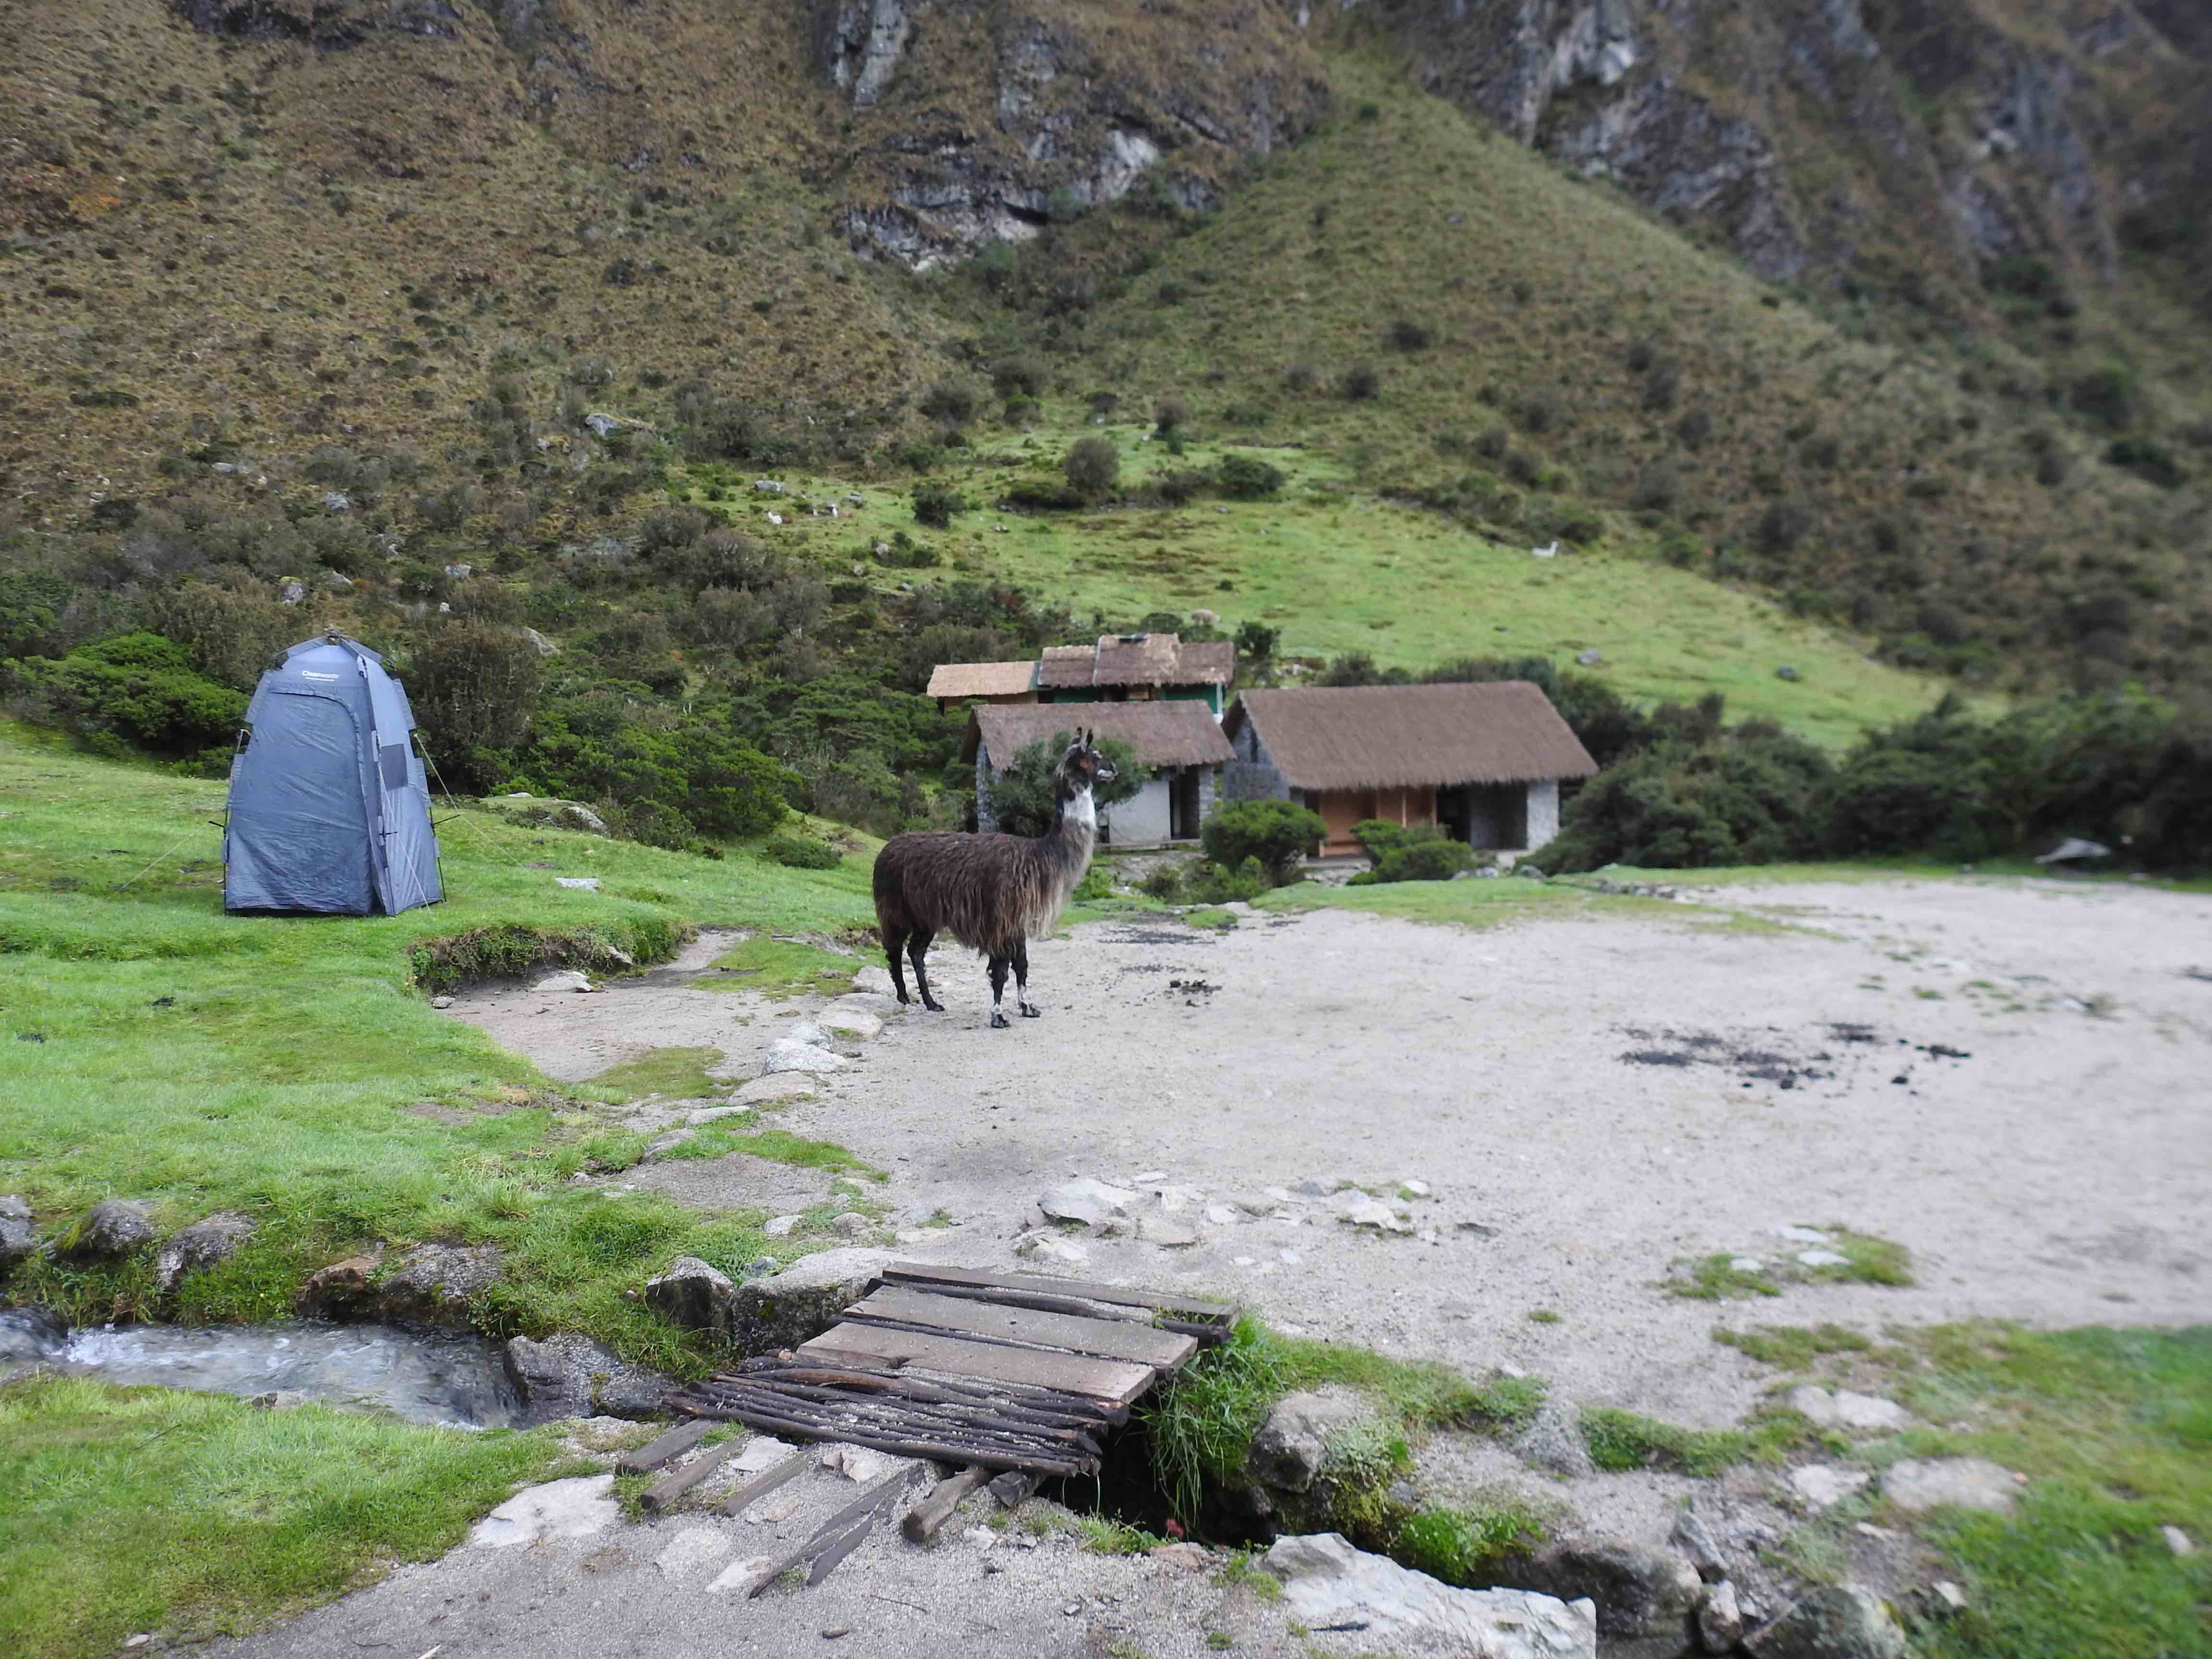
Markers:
<point>1279,1194</point>
<point>2178,1541</point>
<point>1149,1175</point>
<point>578,1508</point>
<point>858,1462</point>
<point>764,1452</point>
<point>1802,1235</point>
<point>1289,1258</point>
<point>713,1115</point>
<point>1087,1200</point>
<point>1746,1264</point>
<point>1821,1485</point>
<point>1972,1483</point>
<point>1823,1259</point>
<point>767,1090</point>
<point>1950,1596</point>
<point>565,978</point>
<point>739,1575</point>
<point>691,1549</point>
<point>850,1023</point>
<point>1375,1215</point>
<point>789,1054</point>
<point>779,1226</point>
<point>874,980</point>
<point>1329,1585</point>
<point>1415,1188</point>
<point>1050,1247</point>
<point>1843,1409</point>
<point>1167,1232</point>
<point>588,883</point>
<point>1222,1215</point>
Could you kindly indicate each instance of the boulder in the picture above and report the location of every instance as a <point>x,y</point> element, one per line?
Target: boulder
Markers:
<point>852,1224</point>
<point>112,1228</point>
<point>578,1508</point>
<point>1646,1598</point>
<point>789,1054</point>
<point>199,1247</point>
<point>872,981</point>
<point>437,1284</point>
<point>28,1335</point>
<point>855,1023</point>
<point>1866,1413</point>
<point>694,1294</point>
<point>1972,1483</point>
<point>706,1115</point>
<point>1822,1485</point>
<point>342,1290</point>
<point>1089,1201</point>
<point>1720,1621</point>
<point>1836,1621</point>
<point>564,979</point>
<point>1303,1435</point>
<point>571,1375</point>
<point>804,1299</point>
<point>18,1235</point>
<point>1697,1540</point>
<point>1377,1606</point>
<point>1553,1443</point>
<point>775,1091</point>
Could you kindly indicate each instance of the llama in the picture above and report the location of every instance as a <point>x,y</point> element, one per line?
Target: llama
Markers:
<point>991,892</point>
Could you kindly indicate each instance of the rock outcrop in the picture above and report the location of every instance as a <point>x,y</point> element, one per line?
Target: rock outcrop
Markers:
<point>1379,1607</point>
<point>199,1247</point>
<point>804,1299</point>
<point>569,1375</point>
<point>112,1228</point>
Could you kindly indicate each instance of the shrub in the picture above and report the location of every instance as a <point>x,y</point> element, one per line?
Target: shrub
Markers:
<point>1018,376</point>
<point>1695,429</point>
<point>228,627</point>
<point>1276,832</point>
<point>1897,800</point>
<point>1539,413</point>
<point>473,688</point>
<point>1256,642</point>
<point>1207,882</point>
<point>802,851</point>
<point>1093,467</point>
<point>934,506</point>
<point>1781,526</point>
<point>1300,376</point>
<point>1170,415</point>
<point>1043,496</point>
<point>1662,383</point>
<point>1658,486</point>
<point>2106,395</point>
<point>2148,459</point>
<point>1419,852</point>
<point>949,403</point>
<point>1359,383</point>
<point>1021,796</point>
<point>137,688</point>
<point>1735,799</point>
<point>1408,336</point>
<point>1244,478</point>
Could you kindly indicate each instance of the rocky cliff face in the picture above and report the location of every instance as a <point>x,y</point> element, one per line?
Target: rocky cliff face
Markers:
<point>1818,135</point>
<point>976,123</point>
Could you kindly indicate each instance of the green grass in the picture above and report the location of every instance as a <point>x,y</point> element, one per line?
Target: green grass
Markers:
<point>276,1065</point>
<point>1110,1537</point>
<point>1468,903</point>
<point>1619,1441</point>
<point>1542,1316</point>
<point>671,1073</point>
<point>780,967</point>
<point>1211,919</point>
<point>193,1516</point>
<point>1792,1348</point>
<point>1868,1260</point>
<point>1462,1544</point>
<point>719,1139</point>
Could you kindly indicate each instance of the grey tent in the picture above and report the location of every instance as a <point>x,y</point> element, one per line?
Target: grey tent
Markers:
<point>330,811</point>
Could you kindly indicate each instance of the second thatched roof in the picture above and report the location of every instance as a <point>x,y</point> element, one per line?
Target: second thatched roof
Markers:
<point>1390,737</point>
<point>1177,734</point>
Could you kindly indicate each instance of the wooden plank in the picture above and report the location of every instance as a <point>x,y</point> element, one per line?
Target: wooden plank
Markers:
<point>927,1518</point>
<point>985,1322</point>
<point>995,1457</point>
<point>1121,1295</point>
<point>745,1492</point>
<point>1110,1379</point>
<point>679,1481</point>
<point>826,1563</point>
<point>677,1441</point>
<point>885,1490</point>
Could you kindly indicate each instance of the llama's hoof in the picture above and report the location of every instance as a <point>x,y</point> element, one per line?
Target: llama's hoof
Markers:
<point>933,1008</point>
<point>998,1020</point>
<point>1029,1013</point>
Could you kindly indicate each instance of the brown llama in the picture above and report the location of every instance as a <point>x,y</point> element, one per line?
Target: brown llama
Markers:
<point>991,892</point>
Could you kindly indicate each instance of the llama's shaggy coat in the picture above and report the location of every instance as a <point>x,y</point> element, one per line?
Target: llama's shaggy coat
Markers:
<point>990,892</point>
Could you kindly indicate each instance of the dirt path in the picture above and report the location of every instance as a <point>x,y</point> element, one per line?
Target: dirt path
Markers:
<point>1600,1096</point>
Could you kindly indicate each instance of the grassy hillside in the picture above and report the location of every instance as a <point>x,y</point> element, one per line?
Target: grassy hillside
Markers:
<point>163,1051</point>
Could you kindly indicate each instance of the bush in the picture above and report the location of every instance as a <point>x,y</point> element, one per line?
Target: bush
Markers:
<point>2108,395</point>
<point>1021,796</point>
<point>949,403</point>
<point>473,688</point>
<point>1207,882</point>
<point>802,851</point>
<point>1739,798</point>
<point>934,506</point>
<point>138,688</point>
<point>1092,466</point>
<point>1359,383</point>
<point>1419,852</point>
<point>1169,416</point>
<point>1276,832</point>
<point>2148,459</point>
<point>1408,336</point>
<point>1244,478</point>
<point>1256,642</point>
<point>1897,800</point>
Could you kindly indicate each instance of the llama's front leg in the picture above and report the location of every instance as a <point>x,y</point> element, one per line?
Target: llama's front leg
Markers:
<point>917,947</point>
<point>1029,1009</point>
<point>999,1021</point>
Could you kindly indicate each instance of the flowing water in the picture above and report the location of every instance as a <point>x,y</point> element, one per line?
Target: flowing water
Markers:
<point>422,1376</point>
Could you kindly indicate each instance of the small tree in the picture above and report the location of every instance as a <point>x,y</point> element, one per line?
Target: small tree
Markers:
<point>1021,795</point>
<point>1246,478</point>
<point>1275,832</point>
<point>934,506</point>
<point>1256,642</point>
<point>1093,467</point>
<point>1170,415</point>
<point>473,687</point>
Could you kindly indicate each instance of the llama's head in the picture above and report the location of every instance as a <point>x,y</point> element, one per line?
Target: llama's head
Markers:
<point>1082,769</point>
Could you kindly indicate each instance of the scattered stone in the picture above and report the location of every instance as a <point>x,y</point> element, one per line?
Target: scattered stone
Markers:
<point>441,1002</point>
<point>585,883</point>
<point>291,591</point>
<point>2178,1541</point>
<point>1050,1247</point>
<point>1972,1483</point>
<point>1415,1188</point>
<point>1953,1599</point>
<point>565,978</point>
<point>461,573</point>
<point>804,1299</point>
<point>437,1284</point>
<point>703,1115</point>
<point>18,1236</point>
<point>341,1290</point>
<point>1803,1235</point>
<point>578,1508</point>
<point>1167,1232</point>
<point>855,1023</point>
<point>852,1224</point>
<point>694,1294</point>
<point>1787,672</point>
<point>1310,1188</point>
<point>1553,1443</point>
<point>1823,1259</point>
<point>544,647</point>
<point>278,1400</point>
<point>1589,659</point>
<point>199,1247</point>
<point>1087,1200</point>
<point>764,1452</point>
<point>739,1575</point>
<point>779,1226</point>
<point>775,1089</point>
<point>1645,1597</point>
<point>1822,1485</point>
<point>1695,1539</point>
<point>874,980</point>
<point>1183,1557</point>
<point>1012,1489</point>
<point>1867,1413</point>
<point>661,1145</point>
<point>1836,1621</point>
<point>1720,1621</point>
<point>859,1463</point>
<point>1289,1258</point>
<point>112,1228</point>
<point>1222,1215</point>
<point>789,1054</point>
<point>570,1376</point>
<point>1293,1446</point>
<point>1327,1585</point>
<point>1373,1213</point>
<point>1746,1264</point>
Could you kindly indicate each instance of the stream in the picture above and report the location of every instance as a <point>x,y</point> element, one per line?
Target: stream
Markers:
<point>423,1376</point>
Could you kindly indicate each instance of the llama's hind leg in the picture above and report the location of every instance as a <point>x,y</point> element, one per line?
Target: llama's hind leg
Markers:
<point>1029,1009</point>
<point>892,942</point>
<point>999,1021</point>
<point>917,947</point>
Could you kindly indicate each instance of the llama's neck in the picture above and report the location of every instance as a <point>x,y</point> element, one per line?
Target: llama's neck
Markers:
<point>1068,847</point>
